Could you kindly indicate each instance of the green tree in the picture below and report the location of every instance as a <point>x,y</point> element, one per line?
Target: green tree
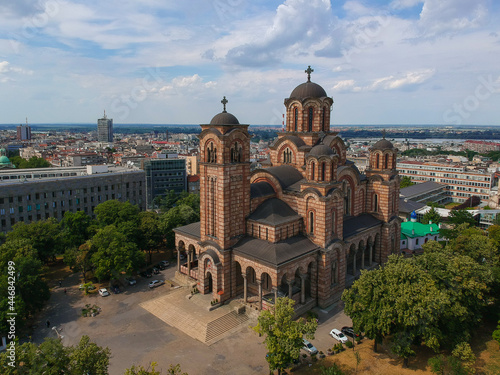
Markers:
<point>457,217</point>
<point>43,235</point>
<point>464,353</point>
<point>334,369</point>
<point>437,364</point>
<point>33,162</point>
<point>176,217</point>
<point>76,228</point>
<point>431,216</point>
<point>496,333</point>
<point>113,253</point>
<point>114,212</point>
<point>283,334</point>
<point>88,358</point>
<point>405,182</point>
<point>401,299</point>
<point>80,259</point>
<point>151,234</point>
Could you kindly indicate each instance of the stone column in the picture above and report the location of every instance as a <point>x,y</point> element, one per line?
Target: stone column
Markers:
<point>259,282</point>
<point>290,288</point>
<point>363,258</point>
<point>370,247</point>
<point>178,260</point>
<point>303,288</point>
<point>244,287</point>
<point>275,290</point>
<point>189,263</point>
<point>354,263</point>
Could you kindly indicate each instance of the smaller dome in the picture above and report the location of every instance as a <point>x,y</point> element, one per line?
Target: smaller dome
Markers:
<point>383,144</point>
<point>308,90</point>
<point>321,150</point>
<point>4,160</point>
<point>224,118</point>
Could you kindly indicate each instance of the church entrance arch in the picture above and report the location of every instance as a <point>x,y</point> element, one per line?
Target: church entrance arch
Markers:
<point>209,283</point>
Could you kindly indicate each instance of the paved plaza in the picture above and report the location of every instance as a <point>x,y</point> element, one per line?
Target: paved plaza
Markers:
<point>168,326</point>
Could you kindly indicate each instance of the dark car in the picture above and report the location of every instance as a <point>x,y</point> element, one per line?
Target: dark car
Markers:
<point>146,273</point>
<point>164,263</point>
<point>155,270</point>
<point>116,290</point>
<point>160,266</point>
<point>349,331</point>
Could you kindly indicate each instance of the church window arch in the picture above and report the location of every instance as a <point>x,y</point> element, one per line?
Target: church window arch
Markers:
<point>287,156</point>
<point>310,119</point>
<point>377,162</point>
<point>386,161</point>
<point>236,153</point>
<point>375,202</point>
<point>311,222</point>
<point>323,171</point>
<point>347,199</point>
<point>296,118</point>
<point>333,223</point>
<point>334,278</point>
<point>313,167</point>
<point>211,153</point>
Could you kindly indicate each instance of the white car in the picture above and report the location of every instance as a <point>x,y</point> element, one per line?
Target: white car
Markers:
<point>103,292</point>
<point>155,283</point>
<point>308,347</point>
<point>337,335</point>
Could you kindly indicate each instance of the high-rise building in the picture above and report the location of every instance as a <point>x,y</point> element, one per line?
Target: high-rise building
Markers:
<point>105,129</point>
<point>24,132</point>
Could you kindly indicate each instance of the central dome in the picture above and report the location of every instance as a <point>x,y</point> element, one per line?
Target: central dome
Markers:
<point>383,144</point>
<point>321,150</point>
<point>308,90</point>
<point>224,118</point>
<point>4,160</point>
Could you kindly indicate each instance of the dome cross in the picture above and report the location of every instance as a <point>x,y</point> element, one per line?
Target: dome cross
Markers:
<point>224,102</point>
<point>309,71</point>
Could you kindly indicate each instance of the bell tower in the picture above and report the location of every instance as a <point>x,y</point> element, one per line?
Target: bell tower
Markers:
<point>224,179</point>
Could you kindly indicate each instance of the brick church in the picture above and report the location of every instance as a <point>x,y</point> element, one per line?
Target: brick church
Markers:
<point>303,226</point>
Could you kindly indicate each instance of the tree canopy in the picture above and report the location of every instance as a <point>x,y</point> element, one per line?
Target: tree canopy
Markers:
<point>283,334</point>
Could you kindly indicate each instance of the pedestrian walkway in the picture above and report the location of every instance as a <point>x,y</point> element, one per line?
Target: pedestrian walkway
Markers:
<point>190,315</point>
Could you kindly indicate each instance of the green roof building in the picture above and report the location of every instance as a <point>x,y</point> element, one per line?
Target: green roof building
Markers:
<point>414,234</point>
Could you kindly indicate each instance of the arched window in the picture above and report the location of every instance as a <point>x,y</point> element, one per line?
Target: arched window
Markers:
<point>287,156</point>
<point>211,154</point>
<point>375,202</point>
<point>334,272</point>
<point>313,167</point>
<point>310,119</point>
<point>386,161</point>
<point>323,171</point>
<point>323,126</point>
<point>311,222</point>
<point>296,118</point>
<point>347,201</point>
<point>333,223</point>
<point>236,153</point>
<point>377,163</point>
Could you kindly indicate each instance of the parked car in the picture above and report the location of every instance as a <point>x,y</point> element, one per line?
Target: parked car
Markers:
<point>155,270</point>
<point>308,347</point>
<point>155,283</point>
<point>160,266</point>
<point>90,287</point>
<point>103,292</point>
<point>337,335</point>
<point>131,281</point>
<point>146,273</point>
<point>349,331</point>
<point>165,263</point>
<point>116,289</point>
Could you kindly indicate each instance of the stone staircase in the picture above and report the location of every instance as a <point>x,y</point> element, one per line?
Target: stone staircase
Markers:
<point>226,323</point>
<point>196,321</point>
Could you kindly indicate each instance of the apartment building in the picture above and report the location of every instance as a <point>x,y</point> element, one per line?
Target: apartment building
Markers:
<point>37,194</point>
<point>461,183</point>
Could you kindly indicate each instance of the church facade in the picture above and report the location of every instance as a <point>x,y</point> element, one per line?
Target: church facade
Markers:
<point>303,226</point>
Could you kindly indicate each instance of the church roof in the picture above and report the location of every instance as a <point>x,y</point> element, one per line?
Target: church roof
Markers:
<point>415,229</point>
<point>358,224</point>
<point>192,230</point>
<point>285,174</point>
<point>224,118</point>
<point>261,189</point>
<point>4,160</point>
<point>321,150</point>
<point>274,212</point>
<point>274,253</point>
<point>308,90</point>
<point>383,144</point>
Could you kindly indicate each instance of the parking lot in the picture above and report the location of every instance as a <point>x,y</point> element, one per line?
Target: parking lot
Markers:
<point>137,337</point>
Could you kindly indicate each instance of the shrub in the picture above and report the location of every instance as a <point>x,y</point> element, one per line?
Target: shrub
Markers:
<point>349,344</point>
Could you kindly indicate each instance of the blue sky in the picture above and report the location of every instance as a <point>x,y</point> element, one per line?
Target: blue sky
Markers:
<point>158,61</point>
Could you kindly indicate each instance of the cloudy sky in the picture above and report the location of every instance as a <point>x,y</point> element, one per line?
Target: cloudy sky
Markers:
<point>162,61</point>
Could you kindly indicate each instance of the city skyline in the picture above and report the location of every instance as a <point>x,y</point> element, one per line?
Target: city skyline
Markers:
<point>383,62</point>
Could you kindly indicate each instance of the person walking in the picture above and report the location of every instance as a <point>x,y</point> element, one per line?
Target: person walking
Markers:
<point>60,283</point>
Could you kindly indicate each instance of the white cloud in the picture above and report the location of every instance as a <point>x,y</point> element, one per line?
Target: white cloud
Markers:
<point>403,4</point>
<point>7,71</point>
